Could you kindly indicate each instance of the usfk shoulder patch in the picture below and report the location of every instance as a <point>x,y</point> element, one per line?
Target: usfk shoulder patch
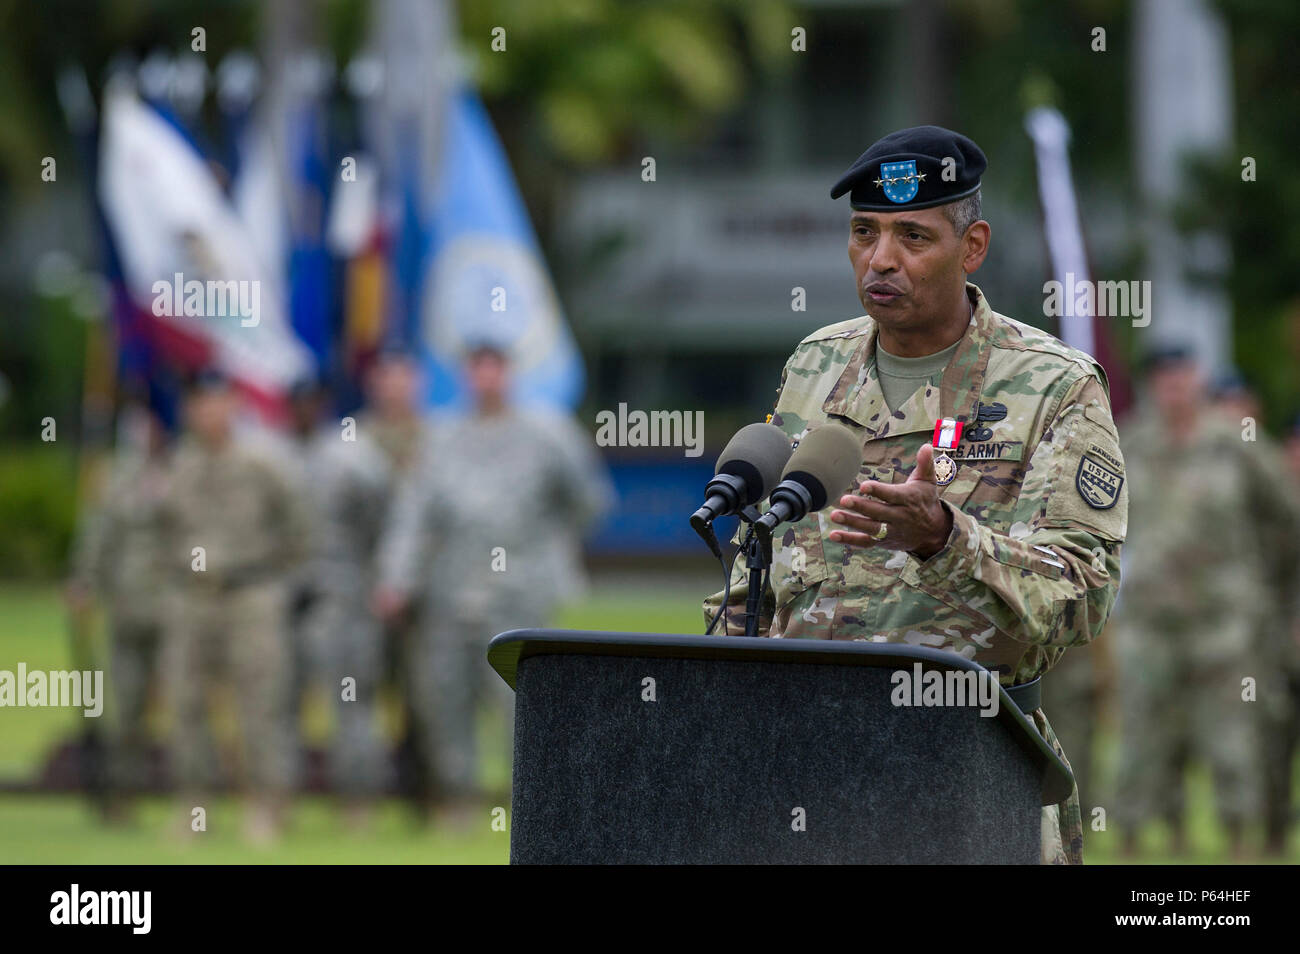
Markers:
<point>1097,484</point>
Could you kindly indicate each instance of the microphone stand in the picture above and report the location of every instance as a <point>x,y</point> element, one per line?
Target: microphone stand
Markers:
<point>758,559</point>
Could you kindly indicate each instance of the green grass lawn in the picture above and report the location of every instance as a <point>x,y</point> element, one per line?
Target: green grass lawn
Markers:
<point>63,829</point>
<point>54,829</point>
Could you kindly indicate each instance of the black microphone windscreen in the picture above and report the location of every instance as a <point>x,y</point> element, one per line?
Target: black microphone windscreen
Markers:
<point>756,453</point>
<point>826,462</point>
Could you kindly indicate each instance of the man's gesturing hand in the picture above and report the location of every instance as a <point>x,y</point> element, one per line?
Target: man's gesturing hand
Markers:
<point>913,517</point>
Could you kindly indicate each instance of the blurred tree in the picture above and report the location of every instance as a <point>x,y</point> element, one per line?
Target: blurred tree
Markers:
<point>1259,208</point>
<point>597,77</point>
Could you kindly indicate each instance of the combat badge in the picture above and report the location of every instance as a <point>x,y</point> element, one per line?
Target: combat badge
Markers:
<point>1097,484</point>
<point>985,412</point>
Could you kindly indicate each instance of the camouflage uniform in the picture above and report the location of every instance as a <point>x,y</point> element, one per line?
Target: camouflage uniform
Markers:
<point>1030,568</point>
<point>1073,694</point>
<point>402,444</point>
<point>489,526</point>
<point>119,555</point>
<point>227,623</point>
<point>348,483</point>
<point>1276,519</point>
<point>1196,600</point>
<point>1279,639</point>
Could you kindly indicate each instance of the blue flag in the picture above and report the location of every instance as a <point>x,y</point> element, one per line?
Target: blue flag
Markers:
<point>485,278</point>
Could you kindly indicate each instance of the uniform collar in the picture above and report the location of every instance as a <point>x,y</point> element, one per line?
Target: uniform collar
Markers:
<point>857,394</point>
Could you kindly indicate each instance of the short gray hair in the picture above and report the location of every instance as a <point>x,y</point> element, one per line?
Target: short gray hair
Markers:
<point>964,212</point>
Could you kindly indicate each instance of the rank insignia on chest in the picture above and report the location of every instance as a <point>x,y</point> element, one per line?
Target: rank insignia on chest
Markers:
<point>947,434</point>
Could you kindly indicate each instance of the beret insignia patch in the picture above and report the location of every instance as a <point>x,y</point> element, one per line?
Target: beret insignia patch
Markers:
<point>899,180</point>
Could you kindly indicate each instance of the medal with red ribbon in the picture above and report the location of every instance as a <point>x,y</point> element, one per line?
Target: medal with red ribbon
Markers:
<point>947,434</point>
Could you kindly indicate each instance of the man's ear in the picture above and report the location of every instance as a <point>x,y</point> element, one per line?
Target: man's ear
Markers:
<point>975,245</point>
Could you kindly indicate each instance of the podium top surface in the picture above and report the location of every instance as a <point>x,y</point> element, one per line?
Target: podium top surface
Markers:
<point>507,650</point>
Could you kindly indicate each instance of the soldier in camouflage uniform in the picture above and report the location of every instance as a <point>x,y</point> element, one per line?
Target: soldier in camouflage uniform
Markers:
<point>235,528</point>
<point>119,558</point>
<point>1279,653</point>
<point>347,478</point>
<point>1017,557</point>
<point>393,420</point>
<point>490,555</point>
<point>1282,817</point>
<point>1201,590</point>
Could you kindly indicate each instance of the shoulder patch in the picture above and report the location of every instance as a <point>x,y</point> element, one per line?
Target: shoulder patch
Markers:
<point>1090,460</point>
<point>1097,483</point>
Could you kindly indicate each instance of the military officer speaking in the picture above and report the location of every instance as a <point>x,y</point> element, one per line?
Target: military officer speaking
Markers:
<point>992,502</point>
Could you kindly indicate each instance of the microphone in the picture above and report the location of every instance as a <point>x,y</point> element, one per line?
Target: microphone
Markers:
<point>826,462</point>
<point>747,468</point>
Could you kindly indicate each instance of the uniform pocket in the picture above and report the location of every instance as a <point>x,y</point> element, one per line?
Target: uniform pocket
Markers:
<point>987,481</point>
<point>799,560</point>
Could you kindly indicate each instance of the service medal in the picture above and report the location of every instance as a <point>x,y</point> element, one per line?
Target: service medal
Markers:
<point>947,434</point>
<point>944,470</point>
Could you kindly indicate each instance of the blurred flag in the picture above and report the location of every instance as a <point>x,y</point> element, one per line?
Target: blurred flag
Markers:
<point>306,143</point>
<point>486,277</point>
<point>1051,136</point>
<point>136,364</point>
<point>257,195</point>
<point>355,234</point>
<point>184,249</point>
<point>281,190</point>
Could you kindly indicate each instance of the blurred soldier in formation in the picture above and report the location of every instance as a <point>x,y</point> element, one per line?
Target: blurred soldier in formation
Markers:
<point>346,477</point>
<point>305,455</point>
<point>1291,451</point>
<point>1279,653</point>
<point>1289,742</point>
<point>393,420</point>
<point>235,528</point>
<point>119,558</point>
<point>1197,594</point>
<point>488,527</point>
<point>393,417</point>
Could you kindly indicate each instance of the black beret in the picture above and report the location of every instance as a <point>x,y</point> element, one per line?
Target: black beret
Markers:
<point>1230,383</point>
<point>1166,355</point>
<point>394,349</point>
<point>481,344</point>
<point>209,378</point>
<point>906,170</point>
<point>307,386</point>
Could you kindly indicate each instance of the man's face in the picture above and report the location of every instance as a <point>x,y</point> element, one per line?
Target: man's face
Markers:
<point>489,377</point>
<point>1239,405</point>
<point>393,384</point>
<point>305,410</point>
<point>1293,455</point>
<point>210,412</point>
<point>1177,388</point>
<point>910,265</point>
